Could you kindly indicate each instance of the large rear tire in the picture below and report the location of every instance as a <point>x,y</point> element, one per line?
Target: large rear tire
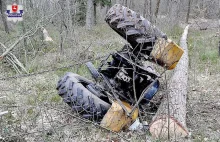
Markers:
<point>72,88</point>
<point>137,30</point>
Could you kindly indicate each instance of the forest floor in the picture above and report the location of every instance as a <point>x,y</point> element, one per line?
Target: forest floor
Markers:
<point>37,113</point>
<point>203,117</point>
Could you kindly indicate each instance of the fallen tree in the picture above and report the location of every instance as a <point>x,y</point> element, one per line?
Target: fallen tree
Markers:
<point>13,60</point>
<point>10,57</point>
<point>169,121</point>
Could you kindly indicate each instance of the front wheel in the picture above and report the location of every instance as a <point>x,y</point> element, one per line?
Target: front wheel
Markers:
<point>73,89</point>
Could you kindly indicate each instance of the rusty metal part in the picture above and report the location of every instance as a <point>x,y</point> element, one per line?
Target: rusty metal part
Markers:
<point>116,119</point>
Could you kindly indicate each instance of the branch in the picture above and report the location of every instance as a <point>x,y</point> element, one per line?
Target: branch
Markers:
<point>13,60</point>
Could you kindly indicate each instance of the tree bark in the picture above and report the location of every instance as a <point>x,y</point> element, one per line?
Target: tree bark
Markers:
<point>150,11</point>
<point>157,8</point>
<point>132,4</point>
<point>3,16</point>
<point>174,13</point>
<point>188,11</point>
<point>24,31</point>
<point>169,121</point>
<point>126,3</point>
<point>219,48</point>
<point>145,8</point>
<point>90,22</point>
<point>95,13</point>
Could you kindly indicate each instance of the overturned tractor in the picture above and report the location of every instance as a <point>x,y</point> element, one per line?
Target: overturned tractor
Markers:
<point>122,78</point>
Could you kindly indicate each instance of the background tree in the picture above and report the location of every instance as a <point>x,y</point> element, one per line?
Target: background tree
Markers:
<point>174,12</point>
<point>80,17</point>
<point>188,11</point>
<point>90,17</point>
<point>157,8</point>
<point>3,16</point>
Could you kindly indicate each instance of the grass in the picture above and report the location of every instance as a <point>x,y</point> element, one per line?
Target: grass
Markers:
<point>175,33</point>
<point>203,76</point>
<point>203,50</point>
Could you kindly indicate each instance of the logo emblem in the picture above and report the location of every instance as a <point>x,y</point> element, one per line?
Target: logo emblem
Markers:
<point>14,12</point>
<point>14,8</point>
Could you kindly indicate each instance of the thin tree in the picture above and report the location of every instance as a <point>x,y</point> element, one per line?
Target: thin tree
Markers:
<point>126,3</point>
<point>145,8</point>
<point>188,11</point>
<point>95,13</point>
<point>132,4</point>
<point>3,9</point>
<point>157,8</point>
<point>150,10</point>
<point>174,12</point>
<point>90,18</point>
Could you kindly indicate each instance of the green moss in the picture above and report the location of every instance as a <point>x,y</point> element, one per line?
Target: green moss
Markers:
<point>174,33</point>
<point>62,71</point>
<point>31,100</point>
<point>56,98</point>
<point>211,55</point>
<point>30,111</point>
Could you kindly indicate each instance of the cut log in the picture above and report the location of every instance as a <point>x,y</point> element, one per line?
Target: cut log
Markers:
<point>169,121</point>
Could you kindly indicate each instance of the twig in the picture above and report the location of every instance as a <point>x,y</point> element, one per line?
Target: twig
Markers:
<point>3,113</point>
<point>2,97</point>
<point>14,60</point>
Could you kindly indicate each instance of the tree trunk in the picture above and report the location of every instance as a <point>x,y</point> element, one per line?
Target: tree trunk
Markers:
<point>145,8</point>
<point>108,6</point>
<point>72,12</point>
<point>219,48</point>
<point>90,14</point>
<point>188,11</point>
<point>24,31</point>
<point>169,121</point>
<point>126,3</point>
<point>157,8</point>
<point>150,11</point>
<point>132,4</point>
<point>95,13</point>
<point>3,16</point>
<point>117,2</point>
<point>174,13</point>
<point>168,7</point>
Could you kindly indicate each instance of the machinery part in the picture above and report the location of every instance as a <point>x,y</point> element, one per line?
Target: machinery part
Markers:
<point>116,118</point>
<point>123,75</point>
<point>94,72</point>
<point>166,53</point>
<point>137,30</point>
<point>72,88</point>
<point>149,94</point>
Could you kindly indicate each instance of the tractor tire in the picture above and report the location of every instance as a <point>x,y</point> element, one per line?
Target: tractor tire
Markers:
<point>134,28</point>
<point>72,88</point>
<point>94,72</point>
